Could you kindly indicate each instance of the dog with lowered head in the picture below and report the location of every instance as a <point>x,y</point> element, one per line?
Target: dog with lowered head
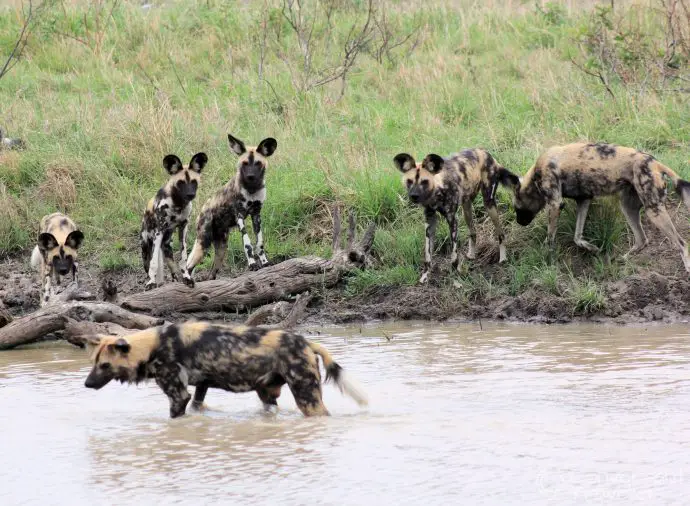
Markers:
<point>441,185</point>
<point>241,197</point>
<point>583,171</point>
<point>236,359</point>
<point>55,253</point>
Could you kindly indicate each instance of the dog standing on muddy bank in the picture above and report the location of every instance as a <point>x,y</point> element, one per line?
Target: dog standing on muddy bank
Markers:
<point>582,171</point>
<point>55,253</point>
<point>441,185</point>
<point>242,196</point>
<point>169,210</point>
<point>236,359</point>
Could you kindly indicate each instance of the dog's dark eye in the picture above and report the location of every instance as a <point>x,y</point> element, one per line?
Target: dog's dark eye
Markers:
<point>105,366</point>
<point>409,183</point>
<point>425,183</point>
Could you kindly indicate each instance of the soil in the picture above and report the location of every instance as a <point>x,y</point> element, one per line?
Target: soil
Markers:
<point>658,291</point>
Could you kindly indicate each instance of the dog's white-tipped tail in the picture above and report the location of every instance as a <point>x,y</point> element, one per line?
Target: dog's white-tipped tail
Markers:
<point>36,258</point>
<point>351,388</point>
<point>333,371</point>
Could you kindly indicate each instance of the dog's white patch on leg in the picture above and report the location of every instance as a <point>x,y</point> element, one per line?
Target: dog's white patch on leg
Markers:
<point>502,253</point>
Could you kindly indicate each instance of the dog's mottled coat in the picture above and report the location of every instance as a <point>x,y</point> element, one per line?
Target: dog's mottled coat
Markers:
<point>236,359</point>
<point>583,171</point>
<point>170,209</point>
<point>442,185</point>
<point>241,197</point>
<point>55,253</point>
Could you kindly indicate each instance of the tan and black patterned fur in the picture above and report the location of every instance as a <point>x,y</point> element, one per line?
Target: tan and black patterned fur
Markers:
<point>55,253</point>
<point>241,197</point>
<point>169,210</point>
<point>442,185</point>
<point>235,359</point>
<point>582,171</point>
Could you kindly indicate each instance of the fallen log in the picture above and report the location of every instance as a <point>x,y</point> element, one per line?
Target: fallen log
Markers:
<point>55,317</point>
<point>257,288</point>
<point>78,318</point>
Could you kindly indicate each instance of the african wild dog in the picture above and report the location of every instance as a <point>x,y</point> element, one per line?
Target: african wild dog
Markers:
<point>236,359</point>
<point>582,171</point>
<point>55,253</point>
<point>9,143</point>
<point>168,210</point>
<point>441,185</point>
<point>242,196</point>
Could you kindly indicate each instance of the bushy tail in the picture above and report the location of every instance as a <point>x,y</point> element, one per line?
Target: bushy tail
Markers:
<point>682,186</point>
<point>36,258</point>
<point>339,376</point>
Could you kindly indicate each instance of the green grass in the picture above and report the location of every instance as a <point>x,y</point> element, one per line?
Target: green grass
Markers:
<point>99,114</point>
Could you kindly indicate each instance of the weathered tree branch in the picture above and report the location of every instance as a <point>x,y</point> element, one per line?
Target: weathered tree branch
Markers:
<point>77,319</point>
<point>55,317</point>
<point>20,44</point>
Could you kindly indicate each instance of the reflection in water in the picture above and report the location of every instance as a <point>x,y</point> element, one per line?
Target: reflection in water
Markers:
<point>498,415</point>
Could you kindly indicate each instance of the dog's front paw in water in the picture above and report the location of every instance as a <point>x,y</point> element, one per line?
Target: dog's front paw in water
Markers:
<point>199,407</point>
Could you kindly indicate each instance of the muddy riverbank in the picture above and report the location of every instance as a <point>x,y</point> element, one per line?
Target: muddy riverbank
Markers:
<point>661,294</point>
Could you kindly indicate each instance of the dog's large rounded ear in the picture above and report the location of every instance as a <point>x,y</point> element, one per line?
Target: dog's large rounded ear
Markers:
<point>89,342</point>
<point>236,145</point>
<point>46,241</point>
<point>198,162</point>
<point>404,162</point>
<point>172,164</point>
<point>508,179</point>
<point>433,163</point>
<point>267,146</point>
<point>74,239</point>
<point>120,345</point>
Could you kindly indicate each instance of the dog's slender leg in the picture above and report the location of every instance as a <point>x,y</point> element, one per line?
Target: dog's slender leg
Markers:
<point>452,220</point>
<point>171,379</point>
<point>268,396</point>
<point>429,233</point>
<point>582,208</point>
<point>469,219</point>
<point>659,216</point>
<point>631,205</point>
<point>195,258</point>
<point>47,288</point>
<point>248,250</point>
<point>500,236</point>
<point>182,231</point>
<point>199,396</point>
<point>220,248</point>
<point>166,247</point>
<point>75,272</point>
<point>154,265</point>
<point>554,211</point>
<point>256,225</point>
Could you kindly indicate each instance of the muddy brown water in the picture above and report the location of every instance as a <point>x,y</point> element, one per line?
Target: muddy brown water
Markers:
<point>503,415</point>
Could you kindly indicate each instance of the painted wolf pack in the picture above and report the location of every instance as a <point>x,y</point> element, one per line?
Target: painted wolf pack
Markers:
<point>243,359</point>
